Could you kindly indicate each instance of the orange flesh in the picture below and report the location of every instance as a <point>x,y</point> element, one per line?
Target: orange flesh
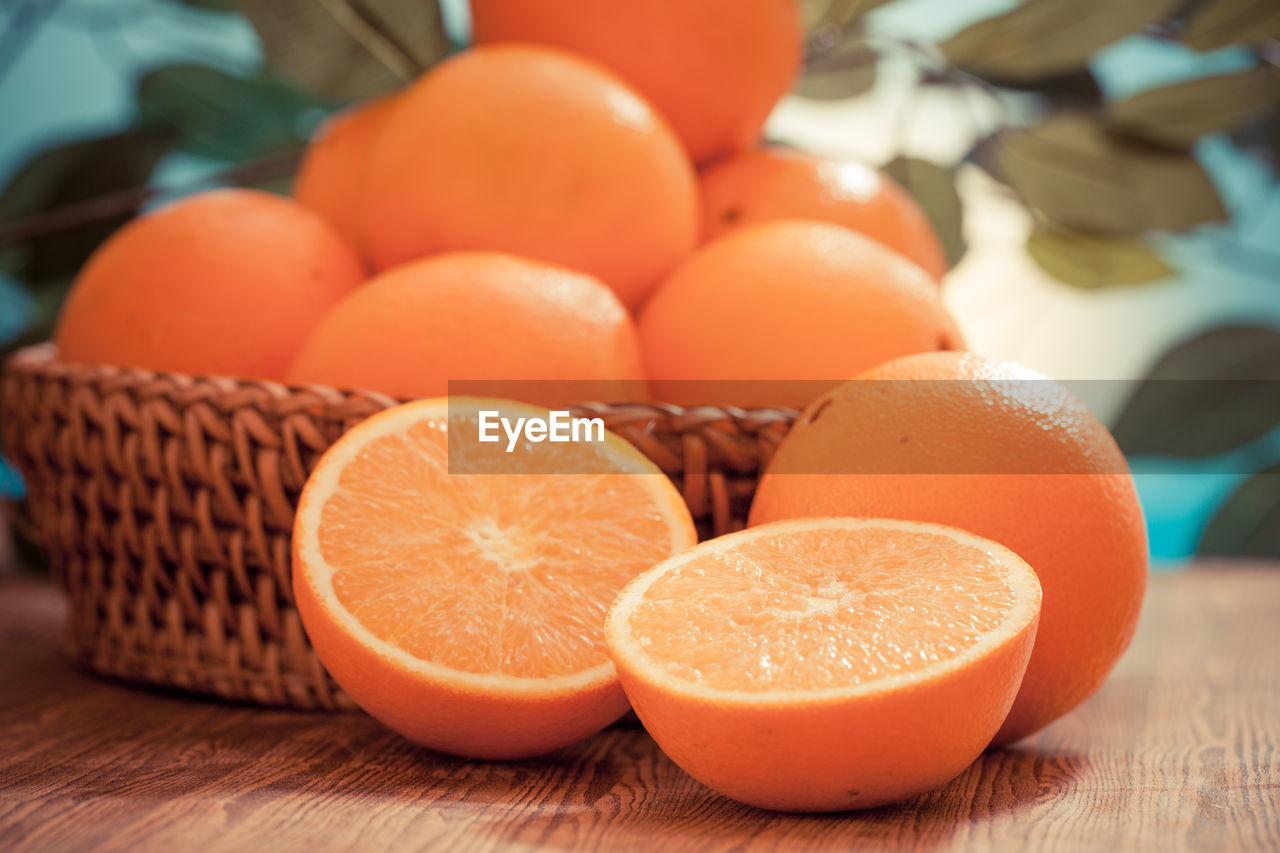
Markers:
<point>506,574</point>
<point>821,608</point>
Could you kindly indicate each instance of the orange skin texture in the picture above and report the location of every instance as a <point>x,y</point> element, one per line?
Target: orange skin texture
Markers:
<point>484,316</point>
<point>786,300</point>
<point>445,716</point>
<point>779,183</point>
<point>714,68</point>
<point>531,151</point>
<point>229,282</point>
<point>333,172</point>
<point>835,755</point>
<point>1059,494</point>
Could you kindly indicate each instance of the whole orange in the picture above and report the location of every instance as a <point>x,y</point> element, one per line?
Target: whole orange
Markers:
<point>779,183</point>
<point>714,68</point>
<point>800,305</point>
<point>335,167</point>
<point>528,150</point>
<point>227,282</point>
<point>479,316</point>
<point>1001,451</point>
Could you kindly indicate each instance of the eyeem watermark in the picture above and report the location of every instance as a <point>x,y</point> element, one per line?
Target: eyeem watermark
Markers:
<point>561,426</point>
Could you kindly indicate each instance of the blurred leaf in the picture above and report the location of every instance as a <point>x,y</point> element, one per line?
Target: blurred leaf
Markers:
<point>209,5</point>
<point>1205,396</point>
<point>1082,177</point>
<point>845,71</point>
<point>934,188</point>
<point>224,117</point>
<point>1077,89</point>
<point>1182,112</point>
<point>1041,38</point>
<point>835,14</point>
<point>349,49</point>
<point>65,175</point>
<point>16,309</point>
<point>1248,523</point>
<point>1219,23</point>
<point>1094,261</point>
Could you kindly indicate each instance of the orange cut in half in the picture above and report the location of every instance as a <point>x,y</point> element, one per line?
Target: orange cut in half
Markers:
<point>828,663</point>
<point>458,593</point>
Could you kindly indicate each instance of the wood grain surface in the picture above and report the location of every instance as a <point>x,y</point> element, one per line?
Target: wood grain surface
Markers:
<point>1180,750</point>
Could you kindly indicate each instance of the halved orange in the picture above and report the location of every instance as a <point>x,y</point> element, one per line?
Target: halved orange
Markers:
<point>466,610</point>
<point>828,663</point>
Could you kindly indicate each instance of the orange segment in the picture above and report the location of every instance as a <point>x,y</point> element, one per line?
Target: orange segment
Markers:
<point>466,610</point>
<point>827,663</point>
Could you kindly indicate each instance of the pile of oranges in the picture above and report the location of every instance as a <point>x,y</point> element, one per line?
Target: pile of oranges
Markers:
<point>584,196</point>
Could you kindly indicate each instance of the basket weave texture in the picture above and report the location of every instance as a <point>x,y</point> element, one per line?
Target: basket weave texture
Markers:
<point>165,503</point>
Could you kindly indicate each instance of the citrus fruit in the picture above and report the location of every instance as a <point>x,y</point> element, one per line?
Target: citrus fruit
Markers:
<point>830,663</point>
<point>550,335</point>
<point>335,167</point>
<point>525,149</point>
<point>714,68</point>
<point>788,300</point>
<point>466,610</point>
<point>1001,451</point>
<point>227,282</point>
<point>779,183</point>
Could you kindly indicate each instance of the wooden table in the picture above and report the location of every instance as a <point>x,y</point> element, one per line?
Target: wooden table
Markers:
<point>1180,750</point>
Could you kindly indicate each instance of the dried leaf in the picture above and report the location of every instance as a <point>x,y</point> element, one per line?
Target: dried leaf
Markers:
<point>225,117</point>
<point>349,49</point>
<point>1094,261</point>
<point>845,71</point>
<point>934,188</point>
<point>1219,23</point>
<point>1248,523</point>
<point>1082,177</point>
<point>1182,112</point>
<point>1205,396</point>
<point>1041,38</point>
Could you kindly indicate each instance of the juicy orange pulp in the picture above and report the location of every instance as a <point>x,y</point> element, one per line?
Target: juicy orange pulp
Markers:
<point>465,610</point>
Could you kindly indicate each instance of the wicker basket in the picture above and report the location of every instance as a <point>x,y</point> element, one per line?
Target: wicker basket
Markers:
<point>165,502</point>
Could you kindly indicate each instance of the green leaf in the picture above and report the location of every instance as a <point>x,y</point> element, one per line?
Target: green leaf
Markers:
<point>1082,177</point>
<point>349,49</point>
<point>844,71</point>
<point>1182,112</point>
<point>1041,38</point>
<point>224,117</point>
<point>1205,396</point>
<point>934,188</point>
<point>1093,261</point>
<point>1220,23</point>
<point>1248,523</point>
<point>63,176</point>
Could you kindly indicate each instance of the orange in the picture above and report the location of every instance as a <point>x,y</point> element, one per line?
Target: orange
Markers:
<point>807,302</point>
<point>459,597</point>
<point>335,167</point>
<point>479,316</point>
<point>528,150</point>
<point>824,664</point>
<point>779,183</point>
<point>715,68</point>
<point>999,450</point>
<point>228,282</point>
